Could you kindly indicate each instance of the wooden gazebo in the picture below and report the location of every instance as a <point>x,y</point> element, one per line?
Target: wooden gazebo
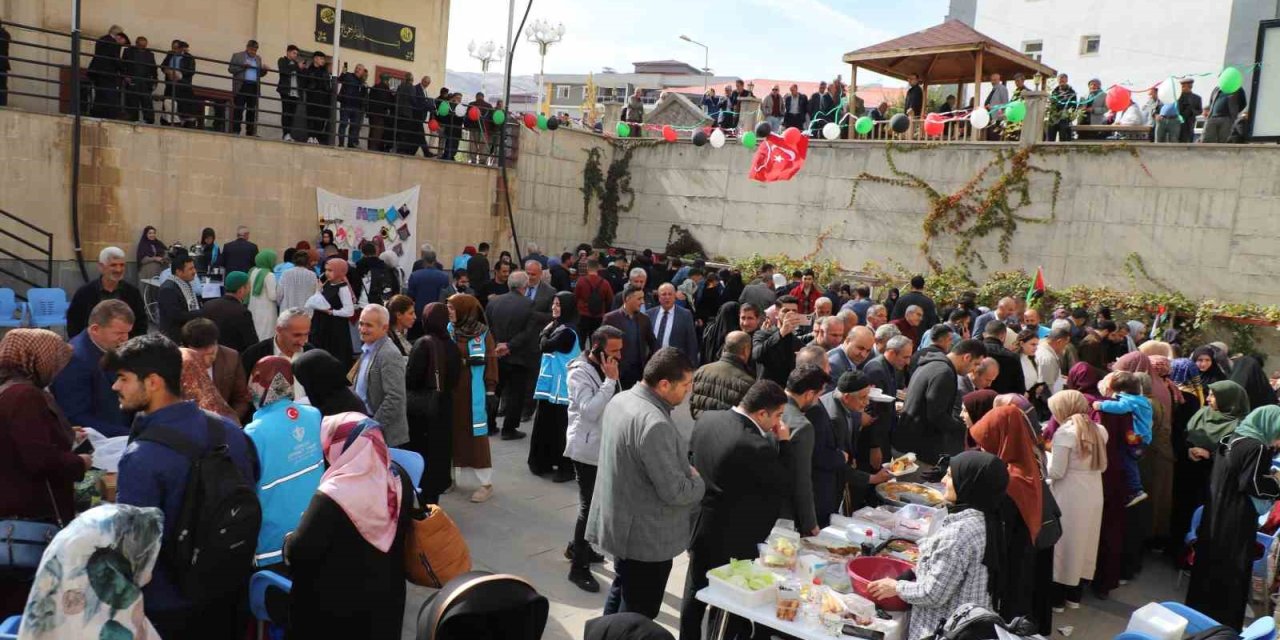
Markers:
<point>950,53</point>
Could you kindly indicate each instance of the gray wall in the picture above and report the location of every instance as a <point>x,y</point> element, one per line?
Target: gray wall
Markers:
<point>965,11</point>
<point>1242,34</point>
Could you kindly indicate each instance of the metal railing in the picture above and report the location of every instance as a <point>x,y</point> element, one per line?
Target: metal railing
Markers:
<point>127,83</point>
<point>34,238</point>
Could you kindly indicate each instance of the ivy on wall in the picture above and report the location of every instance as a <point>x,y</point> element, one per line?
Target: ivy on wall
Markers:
<point>592,181</point>
<point>617,185</point>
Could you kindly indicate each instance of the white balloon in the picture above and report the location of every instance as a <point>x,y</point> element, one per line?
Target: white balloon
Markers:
<point>831,131</point>
<point>461,110</point>
<point>980,118</point>
<point>1167,93</point>
<point>717,138</point>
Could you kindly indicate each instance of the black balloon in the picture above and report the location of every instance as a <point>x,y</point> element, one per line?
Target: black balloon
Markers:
<point>763,130</point>
<point>553,124</point>
<point>900,123</point>
<point>699,138</point>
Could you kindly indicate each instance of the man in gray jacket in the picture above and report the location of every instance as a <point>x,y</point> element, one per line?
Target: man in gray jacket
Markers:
<point>804,388</point>
<point>645,487</point>
<point>514,328</point>
<point>379,380</point>
<point>246,71</point>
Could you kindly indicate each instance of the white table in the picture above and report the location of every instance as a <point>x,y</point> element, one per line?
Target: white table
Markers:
<point>767,615</point>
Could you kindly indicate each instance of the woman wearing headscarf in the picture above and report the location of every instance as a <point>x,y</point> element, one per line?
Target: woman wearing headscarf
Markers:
<point>1241,487</point>
<point>976,405</point>
<point>152,255</point>
<point>325,381</point>
<point>1076,463</point>
<point>431,375</point>
<point>262,294</point>
<point>1206,359</point>
<point>1157,464</point>
<point>327,249</point>
<point>891,300</point>
<point>713,336</point>
<point>1115,494</point>
<point>1247,372</point>
<point>479,379</point>
<point>967,560</point>
<point>1226,405</point>
<point>209,253</point>
<point>331,322</point>
<point>559,345</point>
<point>198,387</point>
<point>347,555</point>
<point>1190,477</point>
<point>90,580</point>
<point>1156,348</point>
<point>37,467</point>
<point>1003,432</point>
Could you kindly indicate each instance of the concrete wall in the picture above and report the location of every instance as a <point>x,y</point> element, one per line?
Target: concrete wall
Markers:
<point>1207,219</point>
<point>181,181</point>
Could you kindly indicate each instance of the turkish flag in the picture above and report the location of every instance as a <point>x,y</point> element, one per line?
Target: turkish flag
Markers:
<point>778,159</point>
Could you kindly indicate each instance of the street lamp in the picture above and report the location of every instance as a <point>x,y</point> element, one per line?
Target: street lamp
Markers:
<point>544,35</point>
<point>706,61</point>
<point>485,53</point>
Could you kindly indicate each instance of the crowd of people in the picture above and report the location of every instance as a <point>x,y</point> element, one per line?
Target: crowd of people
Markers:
<point>1067,444</point>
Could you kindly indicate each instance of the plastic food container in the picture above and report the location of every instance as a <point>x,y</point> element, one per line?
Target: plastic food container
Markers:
<point>916,521</point>
<point>788,599</point>
<point>864,571</point>
<point>1155,621</point>
<point>745,596</point>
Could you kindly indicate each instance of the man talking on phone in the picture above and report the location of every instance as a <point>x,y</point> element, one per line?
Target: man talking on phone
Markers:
<point>775,345</point>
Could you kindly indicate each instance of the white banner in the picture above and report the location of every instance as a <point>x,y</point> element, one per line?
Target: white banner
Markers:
<point>388,222</point>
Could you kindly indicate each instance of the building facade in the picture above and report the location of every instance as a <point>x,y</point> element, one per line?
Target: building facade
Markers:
<point>567,91</point>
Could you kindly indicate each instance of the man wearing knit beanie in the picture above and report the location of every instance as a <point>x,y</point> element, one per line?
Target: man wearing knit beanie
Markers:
<point>235,323</point>
<point>854,434</point>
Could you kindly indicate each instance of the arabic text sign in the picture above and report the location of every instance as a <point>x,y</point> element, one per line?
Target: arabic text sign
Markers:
<point>366,33</point>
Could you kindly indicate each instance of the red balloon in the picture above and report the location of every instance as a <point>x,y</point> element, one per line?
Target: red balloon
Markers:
<point>433,125</point>
<point>474,114</point>
<point>668,133</point>
<point>531,121</point>
<point>933,125</point>
<point>1118,98</point>
<point>792,136</point>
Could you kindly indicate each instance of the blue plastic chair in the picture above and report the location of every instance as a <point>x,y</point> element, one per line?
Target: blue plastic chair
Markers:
<point>259,584</point>
<point>1195,525</point>
<point>12,312</point>
<point>1263,628</point>
<point>411,462</point>
<point>48,307</point>
<point>9,628</point>
<point>1260,565</point>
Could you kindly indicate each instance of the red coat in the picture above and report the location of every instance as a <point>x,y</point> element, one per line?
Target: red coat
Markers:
<point>807,302</point>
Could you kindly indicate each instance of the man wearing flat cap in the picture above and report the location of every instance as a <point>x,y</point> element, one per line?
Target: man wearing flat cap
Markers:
<point>854,436</point>
<point>1189,107</point>
<point>235,323</point>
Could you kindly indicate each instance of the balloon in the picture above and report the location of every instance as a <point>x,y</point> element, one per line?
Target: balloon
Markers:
<point>499,117</point>
<point>699,137</point>
<point>531,121</point>
<point>553,124</point>
<point>900,123</point>
<point>460,110</point>
<point>1118,98</point>
<point>433,125</point>
<point>717,138</point>
<point>542,122</point>
<point>473,114</point>
<point>933,125</point>
<point>668,133</point>
<point>443,109</point>
<point>749,139</point>
<point>1167,92</point>
<point>831,131</point>
<point>1015,111</point>
<point>792,135</point>
<point>1229,80</point>
<point>763,129</point>
<point>980,118</point>
<point>863,125</point>
<point>623,130</point>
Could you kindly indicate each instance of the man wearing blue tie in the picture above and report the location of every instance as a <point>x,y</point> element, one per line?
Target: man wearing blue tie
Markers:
<point>673,325</point>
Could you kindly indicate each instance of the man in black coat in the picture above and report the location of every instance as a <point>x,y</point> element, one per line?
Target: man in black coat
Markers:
<point>478,266</point>
<point>140,75</point>
<point>929,426</point>
<point>318,85</point>
<point>235,323</point>
<point>821,108</point>
<point>382,104</point>
<point>178,301</point>
<point>638,342</point>
<point>774,349</point>
<point>1190,106</point>
<point>104,72</point>
<point>293,329</point>
<point>748,478</point>
<point>1010,378</point>
<point>289,86</point>
<point>882,372</point>
<point>516,336</point>
<point>353,97</point>
<point>110,285</point>
<point>179,68</point>
<point>795,108</point>
<point>916,296</point>
<point>239,254</point>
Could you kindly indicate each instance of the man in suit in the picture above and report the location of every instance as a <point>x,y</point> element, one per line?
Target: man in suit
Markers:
<point>804,387</point>
<point>638,342</point>
<point>1010,379</point>
<point>289,88</point>
<point>821,108</point>
<point>511,323</point>
<point>223,363</point>
<point>795,108</point>
<point>247,70</point>
<point>105,73</point>
<point>379,375</point>
<point>293,329</point>
<point>140,75</point>
<point>853,353</point>
<point>240,254</point>
<point>353,99</point>
<point>179,68</point>
<point>640,278</point>
<point>83,388</point>
<point>381,114</point>
<point>673,325</point>
<point>747,478</point>
<point>539,291</point>
<point>478,267</point>
<point>846,406</point>
<point>235,323</point>
<point>109,286</point>
<point>178,301</point>
<point>883,371</point>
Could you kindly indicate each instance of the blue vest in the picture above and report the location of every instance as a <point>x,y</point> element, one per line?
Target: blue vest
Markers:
<point>553,375</point>
<point>476,355</point>
<point>287,437</point>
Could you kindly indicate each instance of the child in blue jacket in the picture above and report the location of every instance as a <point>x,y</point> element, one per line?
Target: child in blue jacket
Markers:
<point>1129,400</point>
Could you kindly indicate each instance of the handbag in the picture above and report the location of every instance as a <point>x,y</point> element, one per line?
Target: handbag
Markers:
<point>434,550</point>
<point>1050,517</point>
<point>23,541</point>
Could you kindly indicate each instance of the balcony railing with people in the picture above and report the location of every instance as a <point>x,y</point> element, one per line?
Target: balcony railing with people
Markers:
<point>119,79</point>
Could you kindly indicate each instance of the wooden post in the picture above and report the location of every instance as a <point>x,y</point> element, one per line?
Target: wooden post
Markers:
<point>977,93</point>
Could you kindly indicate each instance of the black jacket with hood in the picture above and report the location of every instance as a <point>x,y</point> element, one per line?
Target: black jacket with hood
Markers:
<point>928,426</point>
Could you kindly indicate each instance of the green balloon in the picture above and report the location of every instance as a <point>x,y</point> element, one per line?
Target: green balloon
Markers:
<point>542,122</point>
<point>1229,80</point>
<point>749,139</point>
<point>863,125</point>
<point>1015,111</point>
<point>444,108</point>
<point>624,130</point>
<point>499,117</point>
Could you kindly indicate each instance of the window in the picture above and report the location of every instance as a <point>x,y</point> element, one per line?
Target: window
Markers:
<point>1089,45</point>
<point>562,92</point>
<point>1033,49</point>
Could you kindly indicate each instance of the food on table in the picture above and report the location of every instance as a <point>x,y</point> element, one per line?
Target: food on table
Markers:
<point>901,549</point>
<point>744,574</point>
<point>911,493</point>
<point>787,609</point>
<point>902,464</point>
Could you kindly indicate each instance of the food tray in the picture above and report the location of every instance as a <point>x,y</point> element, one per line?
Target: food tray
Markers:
<point>746,597</point>
<point>904,493</point>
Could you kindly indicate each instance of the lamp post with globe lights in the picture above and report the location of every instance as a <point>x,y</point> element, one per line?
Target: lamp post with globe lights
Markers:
<point>486,53</point>
<point>543,34</point>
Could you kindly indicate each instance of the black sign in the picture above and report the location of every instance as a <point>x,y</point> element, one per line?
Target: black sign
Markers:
<point>366,33</point>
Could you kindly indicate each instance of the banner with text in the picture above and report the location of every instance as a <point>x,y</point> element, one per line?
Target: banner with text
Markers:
<point>366,33</point>
<point>388,222</point>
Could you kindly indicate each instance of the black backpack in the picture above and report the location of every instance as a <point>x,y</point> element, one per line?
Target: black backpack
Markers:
<point>379,285</point>
<point>597,302</point>
<point>211,548</point>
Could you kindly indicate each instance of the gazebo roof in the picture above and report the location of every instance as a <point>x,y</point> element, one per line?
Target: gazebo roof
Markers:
<point>945,54</point>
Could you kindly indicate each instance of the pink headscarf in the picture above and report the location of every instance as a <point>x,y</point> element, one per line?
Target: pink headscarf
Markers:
<point>339,267</point>
<point>359,477</point>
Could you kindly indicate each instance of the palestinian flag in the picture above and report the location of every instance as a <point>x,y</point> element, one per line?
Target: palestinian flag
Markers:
<point>1162,316</point>
<point>1036,290</point>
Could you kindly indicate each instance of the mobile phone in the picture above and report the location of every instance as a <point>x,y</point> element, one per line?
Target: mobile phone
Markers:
<point>806,320</point>
<point>860,632</point>
<point>84,448</point>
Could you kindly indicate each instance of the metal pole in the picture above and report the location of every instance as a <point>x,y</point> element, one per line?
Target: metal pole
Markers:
<point>337,39</point>
<point>511,25</point>
<point>542,76</point>
<point>333,94</point>
<point>75,137</point>
<point>706,67</point>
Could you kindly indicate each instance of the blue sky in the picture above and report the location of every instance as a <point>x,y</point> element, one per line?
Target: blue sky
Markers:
<point>783,39</point>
